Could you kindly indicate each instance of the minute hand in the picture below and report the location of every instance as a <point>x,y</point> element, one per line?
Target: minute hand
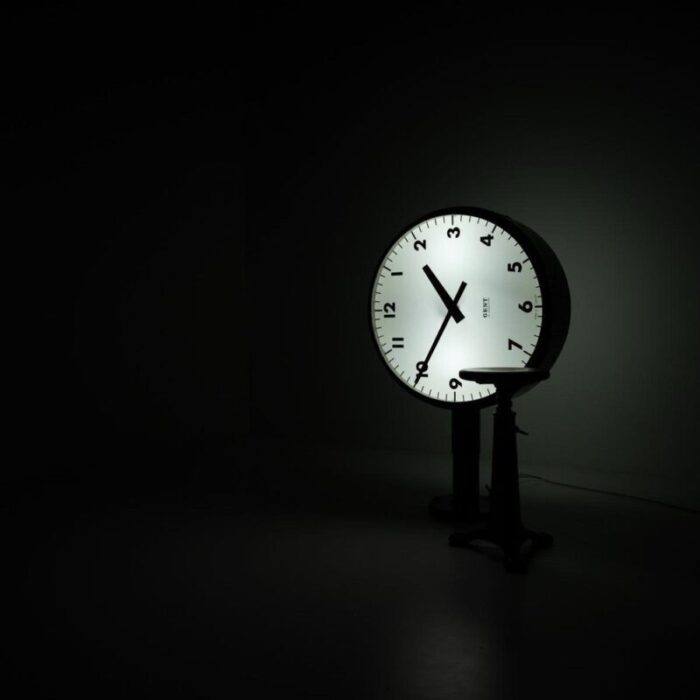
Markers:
<point>455,312</point>
<point>453,305</point>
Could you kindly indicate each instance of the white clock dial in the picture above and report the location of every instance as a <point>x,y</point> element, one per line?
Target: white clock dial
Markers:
<point>424,336</point>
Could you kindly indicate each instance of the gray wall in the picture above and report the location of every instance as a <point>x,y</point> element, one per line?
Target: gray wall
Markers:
<point>592,143</point>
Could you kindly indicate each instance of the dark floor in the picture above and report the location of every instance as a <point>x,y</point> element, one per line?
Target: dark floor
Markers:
<point>318,574</point>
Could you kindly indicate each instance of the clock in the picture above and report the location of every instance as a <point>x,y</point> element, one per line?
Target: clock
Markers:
<point>466,287</point>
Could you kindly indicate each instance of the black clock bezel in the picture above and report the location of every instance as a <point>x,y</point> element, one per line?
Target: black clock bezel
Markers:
<point>554,290</point>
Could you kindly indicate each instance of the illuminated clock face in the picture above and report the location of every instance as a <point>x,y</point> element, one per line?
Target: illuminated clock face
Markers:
<point>453,292</point>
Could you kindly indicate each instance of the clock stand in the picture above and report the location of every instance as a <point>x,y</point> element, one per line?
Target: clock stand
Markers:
<point>463,504</point>
<point>518,310</point>
<point>504,527</point>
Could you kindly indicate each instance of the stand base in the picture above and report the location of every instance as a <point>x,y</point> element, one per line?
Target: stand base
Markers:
<point>442,508</point>
<point>515,558</point>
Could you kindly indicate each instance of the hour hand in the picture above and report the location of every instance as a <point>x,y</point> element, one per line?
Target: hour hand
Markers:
<point>446,298</point>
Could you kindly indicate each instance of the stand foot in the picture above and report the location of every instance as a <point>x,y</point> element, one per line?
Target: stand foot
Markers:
<point>515,559</point>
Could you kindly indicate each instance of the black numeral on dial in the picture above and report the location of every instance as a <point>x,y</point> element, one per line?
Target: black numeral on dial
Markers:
<point>422,368</point>
<point>486,240</point>
<point>515,267</point>
<point>419,244</point>
<point>512,344</point>
<point>453,232</point>
<point>526,306</point>
<point>397,343</point>
<point>455,383</point>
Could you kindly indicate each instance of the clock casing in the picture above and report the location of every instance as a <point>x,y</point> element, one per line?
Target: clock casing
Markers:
<point>513,308</point>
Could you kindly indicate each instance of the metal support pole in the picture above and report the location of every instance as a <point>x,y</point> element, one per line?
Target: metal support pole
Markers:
<point>462,505</point>
<point>466,449</point>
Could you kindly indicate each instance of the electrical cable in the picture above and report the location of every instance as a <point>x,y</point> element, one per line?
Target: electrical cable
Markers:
<point>611,493</point>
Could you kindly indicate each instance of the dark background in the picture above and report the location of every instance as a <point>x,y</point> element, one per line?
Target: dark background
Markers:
<point>200,203</point>
<point>197,204</point>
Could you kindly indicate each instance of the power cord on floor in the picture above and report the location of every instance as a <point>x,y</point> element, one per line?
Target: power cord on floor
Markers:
<point>610,493</point>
